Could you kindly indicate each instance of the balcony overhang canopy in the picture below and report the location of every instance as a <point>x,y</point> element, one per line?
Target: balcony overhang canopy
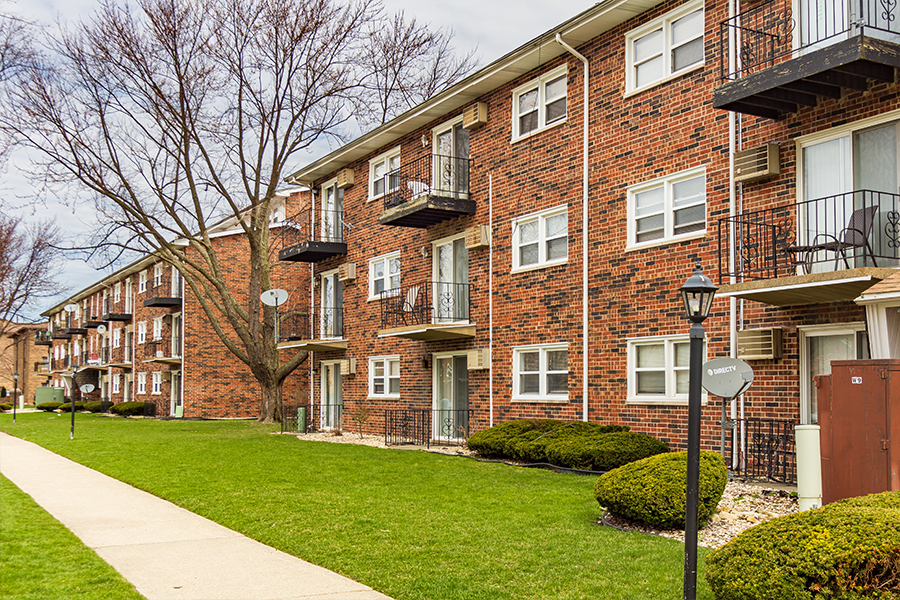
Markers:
<point>314,345</point>
<point>816,288</point>
<point>431,333</point>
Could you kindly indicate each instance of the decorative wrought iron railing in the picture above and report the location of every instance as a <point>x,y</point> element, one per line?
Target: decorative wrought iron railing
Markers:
<point>104,355</point>
<point>58,364</point>
<point>426,427</point>
<point>163,348</point>
<point>162,289</point>
<point>43,338</point>
<point>318,416</point>
<point>845,231</point>
<point>313,225</point>
<point>433,175</point>
<point>764,449</point>
<point>425,303</point>
<point>320,324</point>
<point>772,32</point>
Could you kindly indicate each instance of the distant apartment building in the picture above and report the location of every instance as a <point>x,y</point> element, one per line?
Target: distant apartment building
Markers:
<point>21,354</point>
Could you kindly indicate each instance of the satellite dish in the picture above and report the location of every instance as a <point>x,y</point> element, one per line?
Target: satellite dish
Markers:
<point>274,297</point>
<point>70,307</point>
<point>101,329</point>
<point>87,388</point>
<point>727,377</point>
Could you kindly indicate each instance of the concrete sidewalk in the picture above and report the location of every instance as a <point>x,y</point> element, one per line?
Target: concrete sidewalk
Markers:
<point>166,552</point>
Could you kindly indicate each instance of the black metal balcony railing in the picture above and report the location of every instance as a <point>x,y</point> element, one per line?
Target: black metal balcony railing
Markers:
<point>104,355</point>
<point>845,231</point>
<point>426,303</point>
<point>323,323</point>
<point>59,364</point>
<point>771,32</point>
<point>163,289</point>
<point>42,338</point>
<point>433,174</point>
<point>162,348</point>
<point>313,226</point>
<point>426,427</point>
<point>764,449</point>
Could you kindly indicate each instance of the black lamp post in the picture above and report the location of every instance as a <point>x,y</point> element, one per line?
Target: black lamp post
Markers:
<point>698,293</point>
<point>15,394</point>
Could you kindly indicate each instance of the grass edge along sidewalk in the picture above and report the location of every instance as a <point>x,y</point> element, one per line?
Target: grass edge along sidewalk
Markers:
<point>412,525</point>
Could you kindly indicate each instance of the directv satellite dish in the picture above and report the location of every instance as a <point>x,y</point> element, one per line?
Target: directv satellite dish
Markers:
<point>101,329</point>
<point>274,297</point>
<point>87,388</point>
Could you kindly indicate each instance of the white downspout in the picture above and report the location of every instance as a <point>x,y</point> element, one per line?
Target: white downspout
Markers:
<point>584,231</point>
<point>491,301</point>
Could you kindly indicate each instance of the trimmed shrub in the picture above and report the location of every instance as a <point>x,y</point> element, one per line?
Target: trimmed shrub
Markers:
<point>845,550</point>
<point>128,409</point>
<point>49,406</point>
<point>68,406</point>
<point>492,441</point>
<point>571,433</point>
<point>604,452</point>
<point>6,406</point>
<point>652,490</point>
<point>2,392</point>
<point>95,406</point>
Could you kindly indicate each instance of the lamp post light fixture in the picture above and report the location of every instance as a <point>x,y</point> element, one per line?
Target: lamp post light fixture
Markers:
<point>698,293</point>
<point>15,394</point>
<point>70,308</point>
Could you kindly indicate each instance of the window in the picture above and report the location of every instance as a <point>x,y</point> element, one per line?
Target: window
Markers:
<point>664,48</point>
<point>539,104</point>
<point>157,274</point>
<point>384,376</point>
<point>157,382</point>
<point>117,292</point>
<point>331,225</point>
<point>142,282</point>
<point>382,178</point>
<point>384,274</point>
<point>116,338</point>
<point>142,332</point>
<point>157,328</point>
<point>141,383</point>
<point>541,239</point>
<point>658,369</point>
<point>116,383</point>
<point>666,209</point>
<point>541,373</point>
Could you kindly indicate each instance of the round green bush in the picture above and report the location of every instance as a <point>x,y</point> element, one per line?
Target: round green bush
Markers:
<point>6,406</point>
<point>49,406</point>
<point>68,406</point>
<point>652,490</point>
<point>604,452</point>
<point>844,550</point>
<point>95,406</point>
<point>128,409</point>
<point>492,441</point>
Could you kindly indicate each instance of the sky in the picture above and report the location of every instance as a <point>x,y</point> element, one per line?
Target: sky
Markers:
<point>494,27</point>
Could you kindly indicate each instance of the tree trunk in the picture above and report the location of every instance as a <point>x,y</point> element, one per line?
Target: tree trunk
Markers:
<point>270,402</point>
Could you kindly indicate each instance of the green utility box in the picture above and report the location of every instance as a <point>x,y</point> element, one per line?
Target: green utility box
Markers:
<point>301,419</point>
<point>48,394</point>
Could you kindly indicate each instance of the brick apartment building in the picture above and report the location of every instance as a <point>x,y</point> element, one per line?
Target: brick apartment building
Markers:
<point>139,334</point>
<point>20,353</point>
<point>513,247</point>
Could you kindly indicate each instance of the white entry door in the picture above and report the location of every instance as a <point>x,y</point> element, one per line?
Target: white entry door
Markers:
<point>451,282</point>
<point>450,419</point>
<point>332,396</point>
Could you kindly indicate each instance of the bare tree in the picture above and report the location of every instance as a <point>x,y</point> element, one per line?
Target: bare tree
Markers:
<point>185,112</point>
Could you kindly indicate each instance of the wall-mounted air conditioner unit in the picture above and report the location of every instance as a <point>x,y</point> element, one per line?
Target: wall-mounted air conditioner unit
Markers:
<point>159,354</point>
<point>347,272</point>
<point>479,359</point>
<point>478,237</point>
<point>757,163</point>
<point>759,344</point>
<point>345,178</point>
<point>167,319</point>
<point>475,115</point>
<point>348,366</point>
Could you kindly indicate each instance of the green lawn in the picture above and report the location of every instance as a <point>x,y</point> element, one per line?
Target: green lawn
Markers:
<point>42,560</point>
<point>411,524</point>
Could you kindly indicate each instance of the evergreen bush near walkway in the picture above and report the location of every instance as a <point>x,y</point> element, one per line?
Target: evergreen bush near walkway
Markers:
<point>411,524</point>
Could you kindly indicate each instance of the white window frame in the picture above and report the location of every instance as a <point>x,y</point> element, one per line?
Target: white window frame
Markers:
<point>142,332</point>
<point>141,383</point>
<point>157,328</point>
<point>804,332</point>
<point>117,337</point>
<point>541,219</point>
<point>117,291</point>
<point>157,275</point>
<point>385,260</point>
<point>383,160</point>
<point>670,397</point>
<point>116,383</point>
<point>156,383</point>
<point>142,282</point>
<point>541,85</point>
<point>543,395</point>
<point>387,377</point>
<point>667,183</point>
<point>663,23</point>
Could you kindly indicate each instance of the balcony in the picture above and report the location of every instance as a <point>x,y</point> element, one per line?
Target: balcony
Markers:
<point>76,330</point>
<point>118,357</point>
<point>320,330</point>
<point>427,311</point>
<point>787,60</point>
<point>59,333</point>
<point>311,236</point>
<point>43,338</point>
<point>108,315</point>
<point>59,365</point>
<point>93,323</point>
<point>162,351</point>
<point>430,190</point>
<point>163,294</point>
<point>823,250</point>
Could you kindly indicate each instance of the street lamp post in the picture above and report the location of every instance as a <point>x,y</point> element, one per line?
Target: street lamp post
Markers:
<point>71,308</point>
<point>15,394</point>
<point>697,293</point>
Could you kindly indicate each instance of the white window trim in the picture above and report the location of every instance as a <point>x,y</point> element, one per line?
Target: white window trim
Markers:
<point>804,333</point>
<point>665,22</point>
<point>156,383</point>
<point>142,281</point>
<point>157,328</point>
<point>669,399</point>
<point>116,383</point>
<point>542,397</point>
<point>385,258</point>
<point>541,217</point>
<point>540,83</point>
<point>158,270</point>
<point>117,291</point>
<point>142,332</point>
<point>141,383</point>
<point>116,337</point>
<point>382,158</point>
<point>387,359</point>
<point>666,181</point>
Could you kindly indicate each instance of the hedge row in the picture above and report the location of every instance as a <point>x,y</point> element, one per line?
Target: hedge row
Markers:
<point>123,408</point>
<point>845,550</point>
<point>128,409</point>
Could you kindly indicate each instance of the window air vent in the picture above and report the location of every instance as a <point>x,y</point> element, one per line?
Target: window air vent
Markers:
<point>759,344</point>
<point>475,115</point>
<point>478,237</point>
<point>345,178</point>
<point>348,366</point>
<point>757,163</point>
<point>347,272</point>
<point>479,359</point>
